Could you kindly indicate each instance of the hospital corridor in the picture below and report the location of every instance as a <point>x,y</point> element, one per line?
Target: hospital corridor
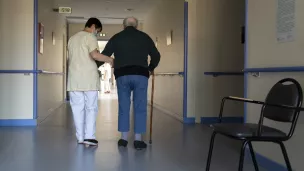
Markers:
<point>52,146</point>
<point>151,85</point>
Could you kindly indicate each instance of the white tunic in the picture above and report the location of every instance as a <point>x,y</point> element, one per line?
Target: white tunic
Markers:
<point>83,74</point>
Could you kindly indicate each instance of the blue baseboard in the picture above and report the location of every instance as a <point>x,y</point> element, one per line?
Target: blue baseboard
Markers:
<point>213,120</point>
<point>189,120</point>
<point>17,122</point>
<point>266,163</point>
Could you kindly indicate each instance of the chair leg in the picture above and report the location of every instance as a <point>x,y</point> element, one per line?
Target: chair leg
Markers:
<point>241,163</point>
<point>285,156</point>
<point>210,151</point>
<point>255,163</point>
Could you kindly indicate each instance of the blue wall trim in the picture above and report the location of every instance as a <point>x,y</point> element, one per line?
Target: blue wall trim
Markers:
<point>189,120</point>
<point>266,163</point>
<point>36,72</point>
<point>19,71</point>
<point>276,69</point>
<point>35,61</point>
<point>246,96</point>
<point>246,60</point>
<point>213,120</point>
<point>215,74</point>
<point>18,122</point>
<point>246,35</point>
<point>181,73</point>
<point>185,94</point>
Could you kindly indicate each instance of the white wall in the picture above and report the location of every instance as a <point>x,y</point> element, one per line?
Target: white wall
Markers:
<point>214,45</point>
<point>51,87</point>
<point>16,53</point>
<point>264,51</point>
<point>168,90</point>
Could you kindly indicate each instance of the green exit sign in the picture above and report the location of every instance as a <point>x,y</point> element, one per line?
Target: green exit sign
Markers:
<point>65,10</point>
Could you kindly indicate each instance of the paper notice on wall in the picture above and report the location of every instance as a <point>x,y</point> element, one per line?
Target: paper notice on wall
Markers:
<point>285,20</point>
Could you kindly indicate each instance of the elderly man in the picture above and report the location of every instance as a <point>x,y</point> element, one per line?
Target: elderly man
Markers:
<point>83,80</point>
<point>131,49</point>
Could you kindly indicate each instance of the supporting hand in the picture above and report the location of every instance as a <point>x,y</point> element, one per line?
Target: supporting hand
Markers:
<point>110,61</point>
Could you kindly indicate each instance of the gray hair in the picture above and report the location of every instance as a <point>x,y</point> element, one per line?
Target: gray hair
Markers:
<point>130,21</point>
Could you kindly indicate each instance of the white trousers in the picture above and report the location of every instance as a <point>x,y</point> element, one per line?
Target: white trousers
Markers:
<point>85,109</point>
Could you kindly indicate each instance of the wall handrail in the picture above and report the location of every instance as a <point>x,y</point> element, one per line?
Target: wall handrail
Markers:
<point>29,72</point>
<point>18,71</point>
<point>51,72</point>
<point>228,73</point>
<point>169,73</point>
<point>257,70</point>
<point>275,69</point>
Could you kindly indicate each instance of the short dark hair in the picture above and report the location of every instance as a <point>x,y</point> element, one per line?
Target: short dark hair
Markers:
<point>94,21</point>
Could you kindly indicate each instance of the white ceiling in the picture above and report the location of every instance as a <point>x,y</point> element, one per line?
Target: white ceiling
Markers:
<point>108,11</point>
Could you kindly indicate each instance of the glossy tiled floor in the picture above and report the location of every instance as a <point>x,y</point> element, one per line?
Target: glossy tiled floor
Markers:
<point>52,146</point>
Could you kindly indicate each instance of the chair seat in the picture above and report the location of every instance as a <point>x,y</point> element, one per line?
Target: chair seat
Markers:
<point>248,130</point>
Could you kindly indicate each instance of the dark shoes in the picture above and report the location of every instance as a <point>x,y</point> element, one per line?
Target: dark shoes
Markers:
<point>90,142</point>
<point>122,143</point>
<point>138,145</point>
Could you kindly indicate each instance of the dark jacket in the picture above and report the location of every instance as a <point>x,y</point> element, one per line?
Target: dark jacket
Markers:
<point>131,49</point>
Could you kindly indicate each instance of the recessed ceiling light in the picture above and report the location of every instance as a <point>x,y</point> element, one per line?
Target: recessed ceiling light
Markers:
<point>102,34</point>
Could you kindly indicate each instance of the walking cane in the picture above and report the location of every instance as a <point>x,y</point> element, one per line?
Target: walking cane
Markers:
<point>151,110</point>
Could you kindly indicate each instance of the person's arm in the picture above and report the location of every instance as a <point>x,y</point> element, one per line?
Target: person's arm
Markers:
<point>92,47</point>
<point>155,56</point>
<point>109,49</point>
<point>100,57</point>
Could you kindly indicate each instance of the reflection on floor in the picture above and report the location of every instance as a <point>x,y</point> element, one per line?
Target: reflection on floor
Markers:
<point>102,90</point>
<point>52,146</point>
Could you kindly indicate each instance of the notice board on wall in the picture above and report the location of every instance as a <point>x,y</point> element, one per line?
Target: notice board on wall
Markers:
<point>285,22</point>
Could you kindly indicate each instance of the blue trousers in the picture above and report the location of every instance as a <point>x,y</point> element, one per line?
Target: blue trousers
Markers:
<point>139,86</point>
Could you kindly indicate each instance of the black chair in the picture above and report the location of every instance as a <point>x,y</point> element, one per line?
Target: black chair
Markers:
<point>283,104</point>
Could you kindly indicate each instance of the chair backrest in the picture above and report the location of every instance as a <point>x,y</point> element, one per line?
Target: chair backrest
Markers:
<point>286,92</point>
